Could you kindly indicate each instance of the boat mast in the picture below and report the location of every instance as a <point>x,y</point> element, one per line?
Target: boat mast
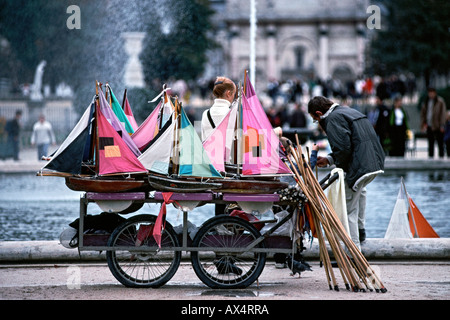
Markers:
<point>410,213</point>
<point>238,133</point>
<point>239,130</point>
<point>176,137</point>
<point>94,139</point>
<point>245,81</point>
<point>108,94</point>
<point>161,110</point>
<point>124,98</point>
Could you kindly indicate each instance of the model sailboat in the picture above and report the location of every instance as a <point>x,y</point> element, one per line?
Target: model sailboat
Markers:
<point>419,226</point>
<point>104,154</point>
<point>98,155</point>
<point>407,221</point>
<point>119,111</point>
<point>261,145</point>
<point>254,153</point>
<point>128,112</point>
<point>175,157</point>
<point>149,129</point>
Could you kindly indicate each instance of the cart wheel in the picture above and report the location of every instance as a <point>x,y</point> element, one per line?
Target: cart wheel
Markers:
<point>150,268</point>
<point>218,268</point>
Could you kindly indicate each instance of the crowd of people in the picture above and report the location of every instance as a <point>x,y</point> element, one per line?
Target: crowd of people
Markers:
<point>292,90</point>
<point>381,100</point>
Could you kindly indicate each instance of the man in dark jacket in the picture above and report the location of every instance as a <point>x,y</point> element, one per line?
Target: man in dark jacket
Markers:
<point>13,130</point>
<point>356,149</point>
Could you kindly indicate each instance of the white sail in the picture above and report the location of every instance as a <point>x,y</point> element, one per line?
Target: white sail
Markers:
<point>157,157</point>
<point>398,227</point>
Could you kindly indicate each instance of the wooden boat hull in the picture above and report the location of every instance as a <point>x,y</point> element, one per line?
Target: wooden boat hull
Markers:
<point>251,186</point>
<point>104,185</point>
<point>181,185</point>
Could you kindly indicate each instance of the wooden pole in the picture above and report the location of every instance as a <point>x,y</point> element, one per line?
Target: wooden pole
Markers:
<point>361,265</point>
<point>95,139</point>
<point>354,272</point>
<point>176,138</point>
<point>124,99</point>
<point>322,246</point>
<point>238,144</point>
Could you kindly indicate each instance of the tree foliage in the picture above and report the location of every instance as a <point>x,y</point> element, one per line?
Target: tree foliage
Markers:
<point>177,41</point>
<point>36,31</point>
<point>414,36</point>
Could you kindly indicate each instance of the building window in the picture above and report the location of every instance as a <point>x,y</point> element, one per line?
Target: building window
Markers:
<point>299,57</point>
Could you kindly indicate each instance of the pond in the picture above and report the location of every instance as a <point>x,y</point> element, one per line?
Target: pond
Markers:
<point>39,208</point>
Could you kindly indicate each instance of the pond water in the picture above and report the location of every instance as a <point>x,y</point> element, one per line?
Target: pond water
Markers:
<point>39,208</point>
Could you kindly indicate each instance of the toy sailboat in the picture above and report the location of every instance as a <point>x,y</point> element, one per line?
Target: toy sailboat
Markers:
<point>245,144</point>
<point>178,161</point>
<point>172,151</point>
<point>407,221</point>
<point>105,152</point>
<point>99,154</point>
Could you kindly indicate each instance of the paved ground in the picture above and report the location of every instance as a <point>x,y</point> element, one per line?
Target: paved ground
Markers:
<point>93,281</point>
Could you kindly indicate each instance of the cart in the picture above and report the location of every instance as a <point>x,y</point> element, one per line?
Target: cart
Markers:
<point>227,251</point>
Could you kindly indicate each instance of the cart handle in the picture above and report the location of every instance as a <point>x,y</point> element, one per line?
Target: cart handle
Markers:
<point>327,181</point>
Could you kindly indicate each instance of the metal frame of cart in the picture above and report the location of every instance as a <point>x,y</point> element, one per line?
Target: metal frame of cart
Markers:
<point>227,252</point>
<point>209,197</point>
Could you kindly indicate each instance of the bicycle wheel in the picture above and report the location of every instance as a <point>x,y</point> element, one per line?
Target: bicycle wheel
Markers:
<point>221,263</point>
<point>149,268</point>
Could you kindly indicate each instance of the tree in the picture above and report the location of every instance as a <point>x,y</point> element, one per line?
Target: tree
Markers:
<point>414,36</point>
<point>36,31</point>
<point>177,41</point>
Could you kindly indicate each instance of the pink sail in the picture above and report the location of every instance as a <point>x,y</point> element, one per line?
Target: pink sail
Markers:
<point>255,105</point>
<point>129,114</point>
<point>154,122</point>
<point>114,154</point>
<point>109,114</point>
<point>260,143</point>
<point>218,144</point>
<point>147,130</point>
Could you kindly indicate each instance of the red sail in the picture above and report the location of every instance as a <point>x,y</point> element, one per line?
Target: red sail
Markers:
<point>418,222</point>
<point>114,154</point>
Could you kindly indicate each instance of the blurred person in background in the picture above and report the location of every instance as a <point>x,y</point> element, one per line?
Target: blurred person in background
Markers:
<point>397,128</point>
<point>432,118</point>
<point>42,136</point>
<point>12,128</point>
<point>447,134</point>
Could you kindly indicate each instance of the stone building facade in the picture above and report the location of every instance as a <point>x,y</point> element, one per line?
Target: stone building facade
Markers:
<point>311,39</point>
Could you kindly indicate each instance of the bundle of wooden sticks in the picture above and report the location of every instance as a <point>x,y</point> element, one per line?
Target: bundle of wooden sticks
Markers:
<point>356,272</point>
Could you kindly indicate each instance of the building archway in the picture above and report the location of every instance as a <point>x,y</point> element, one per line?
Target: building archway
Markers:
<point>344,73</point>
<point>297,56</point>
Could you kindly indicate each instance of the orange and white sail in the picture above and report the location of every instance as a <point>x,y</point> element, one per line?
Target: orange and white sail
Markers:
<point>407,221</point>
<point>420,228</point>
